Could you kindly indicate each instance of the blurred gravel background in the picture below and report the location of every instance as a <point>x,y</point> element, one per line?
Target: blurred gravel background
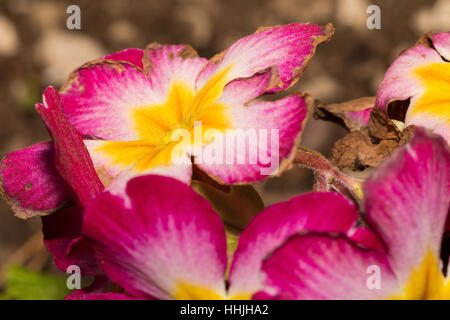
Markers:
<point>36,50</point>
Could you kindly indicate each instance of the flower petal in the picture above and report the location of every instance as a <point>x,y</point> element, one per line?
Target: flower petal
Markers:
<point>30,182</point>
<point>321,212</point>
<point>80,295</point>
<point>407,201</point>
<point>99,290</point>
<point>321,266</point>
<point>115,175</point>
<point>441,42</point>
<point>353,114</point>
<point>422,76</point>
<point>166,64</point>
<point>398,82</point>
<point>98,97</point>
<point>133,56</point>
<point>168,243</point>
<point>261,142</point>
<point>285,49</point>
<point>63,240</point>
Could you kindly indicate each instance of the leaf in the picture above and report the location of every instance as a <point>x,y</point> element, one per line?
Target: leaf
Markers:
<point>25,284</point>
<point>237,205</point>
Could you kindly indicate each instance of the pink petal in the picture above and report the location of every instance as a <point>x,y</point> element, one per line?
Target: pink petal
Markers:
<point>407,201</point>
<point>317,212</point>
<point>99,290</point>
<point>441,42</point>
<point>418,78</point>
<point>271,135</point>
<point>30,182</point>
<point>80,295</point>
<point>398,82</point>
<point>133,56</point>
<point>166,236</point>
<point>98,97</point>
<point>285,50</point>
<point>72,158</point>
<point>115,177</point>
<point>321,266</point>
<point>165,64</point>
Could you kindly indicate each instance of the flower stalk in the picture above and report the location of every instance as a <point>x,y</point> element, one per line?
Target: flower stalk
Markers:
<point>326,176</point>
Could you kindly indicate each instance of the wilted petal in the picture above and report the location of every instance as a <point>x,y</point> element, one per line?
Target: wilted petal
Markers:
<point>133,56</point>
<point>285,50</point>
<point>30,182</point>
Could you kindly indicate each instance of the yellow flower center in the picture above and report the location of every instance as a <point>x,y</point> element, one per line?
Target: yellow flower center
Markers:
<point>156,125</point>
<point>435,100</point>
<point>426,282</point>
<point>187,291</point>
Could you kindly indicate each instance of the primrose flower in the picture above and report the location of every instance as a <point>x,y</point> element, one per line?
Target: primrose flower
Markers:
<point>133,108</point>
<point>395,254</point>
<point>416,88</point>
<point>162,240</point>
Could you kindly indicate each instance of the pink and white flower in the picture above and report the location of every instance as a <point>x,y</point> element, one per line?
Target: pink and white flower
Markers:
<point>127,106</point>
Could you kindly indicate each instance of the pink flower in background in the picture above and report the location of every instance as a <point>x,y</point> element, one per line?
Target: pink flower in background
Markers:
<point>420,78</point>
<point>128,105</point>
<point>405,209</point>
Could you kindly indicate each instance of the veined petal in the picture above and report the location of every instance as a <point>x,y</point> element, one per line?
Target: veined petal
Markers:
<point>407,201</point>
<point>98,98</point>
<point>323,266</point>
<point>284,49</point>
<point>316,212</point>
<point>136,111</point>
<point>261,141</point>
<point>133,56</point>
<point>30,182</point>
<point>167,243</point>
<point>166,64</point>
